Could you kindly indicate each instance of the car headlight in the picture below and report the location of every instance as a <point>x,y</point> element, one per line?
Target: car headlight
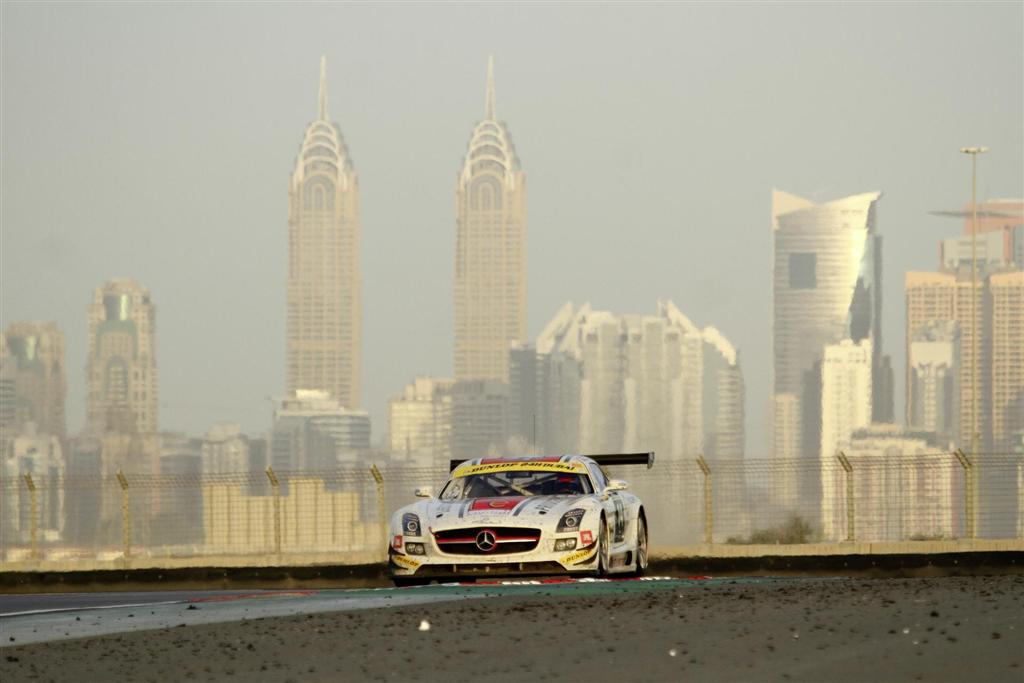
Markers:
<point>570,520</point>
<point>410,524</point>
<point>565,544</point>
<point>415,549</point>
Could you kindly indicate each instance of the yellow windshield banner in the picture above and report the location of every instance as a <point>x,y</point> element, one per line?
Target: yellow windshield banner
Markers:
<point>518,466</point>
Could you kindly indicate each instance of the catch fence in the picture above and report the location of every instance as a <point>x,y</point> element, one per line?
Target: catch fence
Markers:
<point>340,516</point>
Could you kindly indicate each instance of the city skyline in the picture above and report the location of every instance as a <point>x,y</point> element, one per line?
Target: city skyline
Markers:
<point>225,375</point>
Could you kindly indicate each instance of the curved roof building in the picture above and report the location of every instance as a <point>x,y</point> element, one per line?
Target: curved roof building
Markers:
<point>324,327</point>
<point>490,250</point>
<point>826,287</point>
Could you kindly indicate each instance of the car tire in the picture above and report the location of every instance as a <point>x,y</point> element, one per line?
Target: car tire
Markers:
<point>406,581</point>
<point>642,544</point>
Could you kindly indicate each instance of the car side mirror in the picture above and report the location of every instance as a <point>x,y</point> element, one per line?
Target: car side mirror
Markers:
<point>616,485</point>
<point>424,492</point>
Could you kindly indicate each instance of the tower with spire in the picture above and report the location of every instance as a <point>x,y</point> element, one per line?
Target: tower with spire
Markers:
<point>324,316</point>
<point>490,249</point>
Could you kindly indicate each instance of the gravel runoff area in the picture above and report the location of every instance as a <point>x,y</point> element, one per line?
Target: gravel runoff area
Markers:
<point>943,629</point>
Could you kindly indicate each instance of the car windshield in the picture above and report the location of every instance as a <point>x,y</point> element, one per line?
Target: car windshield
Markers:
<point>516,483</point>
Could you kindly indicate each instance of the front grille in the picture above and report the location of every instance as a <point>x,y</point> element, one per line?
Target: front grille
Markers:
<point>476,540</point>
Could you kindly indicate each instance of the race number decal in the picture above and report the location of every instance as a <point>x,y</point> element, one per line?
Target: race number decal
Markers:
<point>619,532</point>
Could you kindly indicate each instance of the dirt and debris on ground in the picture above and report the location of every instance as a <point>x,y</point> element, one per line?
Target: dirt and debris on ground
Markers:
<point>944,629</point>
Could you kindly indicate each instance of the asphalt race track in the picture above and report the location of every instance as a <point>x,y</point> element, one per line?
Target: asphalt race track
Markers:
<point>935,629</point>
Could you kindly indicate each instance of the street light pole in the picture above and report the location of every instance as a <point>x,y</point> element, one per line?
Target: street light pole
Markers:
<point>975,435</point>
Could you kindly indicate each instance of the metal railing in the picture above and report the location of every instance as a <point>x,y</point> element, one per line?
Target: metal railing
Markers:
<point>340,516</point>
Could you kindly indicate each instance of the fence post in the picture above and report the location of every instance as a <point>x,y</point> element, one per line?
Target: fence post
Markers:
<point>970,522</point>
<point>850,516</point>
<point>34,512</point>
<point>276,486</point>
<point>709,520</point>
<point>379,479</point>
<point>126,518</point>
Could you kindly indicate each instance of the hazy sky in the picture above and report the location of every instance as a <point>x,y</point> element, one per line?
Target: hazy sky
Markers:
<point>156,142</point>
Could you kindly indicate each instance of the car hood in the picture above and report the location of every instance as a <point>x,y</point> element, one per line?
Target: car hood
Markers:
<point>505,511</point>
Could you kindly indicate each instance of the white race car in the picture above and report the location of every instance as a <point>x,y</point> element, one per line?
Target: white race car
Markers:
<point>522,516</point>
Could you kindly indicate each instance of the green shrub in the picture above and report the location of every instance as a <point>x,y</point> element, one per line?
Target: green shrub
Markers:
<point>794,530</point>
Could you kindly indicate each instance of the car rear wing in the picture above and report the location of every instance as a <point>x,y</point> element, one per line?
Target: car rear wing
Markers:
<point>603,460</point>
<point>624,459</point>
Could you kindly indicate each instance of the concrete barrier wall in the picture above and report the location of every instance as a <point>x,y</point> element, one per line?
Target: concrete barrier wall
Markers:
<point>717,551</point>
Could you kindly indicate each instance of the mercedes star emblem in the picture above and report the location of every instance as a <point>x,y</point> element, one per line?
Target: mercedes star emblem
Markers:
<point>486,541</point>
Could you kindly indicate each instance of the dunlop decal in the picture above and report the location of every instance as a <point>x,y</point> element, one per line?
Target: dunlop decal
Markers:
<point>526,466</point>
<point>404,561</point>
<point>578,556</point>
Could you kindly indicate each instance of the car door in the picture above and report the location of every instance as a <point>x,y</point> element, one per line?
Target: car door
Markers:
<point>613,503</point>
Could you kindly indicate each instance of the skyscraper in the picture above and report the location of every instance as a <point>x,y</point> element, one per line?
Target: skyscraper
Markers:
<point>930,301</point>
<point>603,383</point>
<point>826,289</point>
<point>996,381</point>
<point>313,431</point>
<point>479,415</point>
<point>845,394</point>
<point>845,407</point>
<point>121,368</point>
<point>37,373</point>
<point>490,250</point>
<point>933,370</point>
<point>324,325</point>
<point>420,422</point>
<point>1000,234</point>
<point>722,402</point>
<point>1007,301</point>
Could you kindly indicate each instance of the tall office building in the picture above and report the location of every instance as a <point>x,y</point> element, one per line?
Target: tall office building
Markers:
<point>490,250</point>
<point>39,455</point>
<point>121,368</point>
<point>723,398</point>
<point>903,486</point>
<point>324,329</point>
<point>420,422</point>
<point>602,383</point>
<point>544,402</point>
<point>987,315</point>
<point>1000,234</point>
<point>479,418</point>
<point>226,449</point>
<point>930,302</point>
<point>1007,319</point>
<point>996,380</point>
<point>785,450</point>
<point>313,431</point>
<point>8,393</point>
<point>845,394</point>
<point>845,407</point>
<point>933,393</point>
<point>826,288</point>
<point>993,250</point>
<point>36,373</point>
